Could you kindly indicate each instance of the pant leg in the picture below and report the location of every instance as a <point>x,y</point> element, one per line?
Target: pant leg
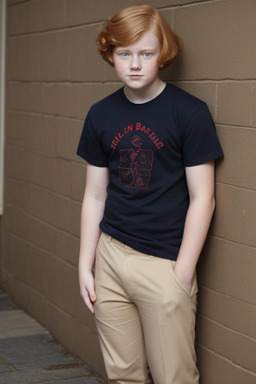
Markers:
<point>167,312</point>
<point>117,319</point>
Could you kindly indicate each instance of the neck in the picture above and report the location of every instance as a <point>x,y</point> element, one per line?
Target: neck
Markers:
<point>140,96</point>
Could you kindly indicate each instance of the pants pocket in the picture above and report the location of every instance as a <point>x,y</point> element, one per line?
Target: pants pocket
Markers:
<point>194,287</point>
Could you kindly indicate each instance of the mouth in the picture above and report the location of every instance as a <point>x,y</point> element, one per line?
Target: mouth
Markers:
<point>134,76</point>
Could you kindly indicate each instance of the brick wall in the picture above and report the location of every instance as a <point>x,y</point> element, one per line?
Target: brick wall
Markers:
<point>53,75</point>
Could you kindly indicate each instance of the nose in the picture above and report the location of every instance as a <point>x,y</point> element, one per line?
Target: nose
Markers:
<point>135,63</point>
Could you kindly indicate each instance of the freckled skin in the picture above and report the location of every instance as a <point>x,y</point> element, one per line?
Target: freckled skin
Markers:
<point>137,67</point>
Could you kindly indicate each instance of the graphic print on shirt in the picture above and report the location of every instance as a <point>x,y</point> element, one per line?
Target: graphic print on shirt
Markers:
<point>135,165</point>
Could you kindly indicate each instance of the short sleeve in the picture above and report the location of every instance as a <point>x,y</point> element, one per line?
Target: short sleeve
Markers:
<point>200,143</point>
<point>89,147</point>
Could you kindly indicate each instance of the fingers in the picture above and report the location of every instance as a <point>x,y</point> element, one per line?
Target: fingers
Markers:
<point>87,289</point>
<point>89,299</point>
<point>89,304</point>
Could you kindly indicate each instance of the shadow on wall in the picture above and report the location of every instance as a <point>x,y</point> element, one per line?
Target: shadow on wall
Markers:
<point>174,71</point>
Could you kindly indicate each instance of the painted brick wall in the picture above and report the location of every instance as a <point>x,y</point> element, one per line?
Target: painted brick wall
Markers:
<point>53,75</point>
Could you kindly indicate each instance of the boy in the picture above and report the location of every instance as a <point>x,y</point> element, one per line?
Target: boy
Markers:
<point>147,207</point>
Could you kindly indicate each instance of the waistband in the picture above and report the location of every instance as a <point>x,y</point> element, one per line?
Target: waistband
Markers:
<point>111,239</point>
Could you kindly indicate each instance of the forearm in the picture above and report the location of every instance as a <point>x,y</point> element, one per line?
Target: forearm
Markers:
<point>92,212</point>
<point>196,227</point>
<point>91,215</point>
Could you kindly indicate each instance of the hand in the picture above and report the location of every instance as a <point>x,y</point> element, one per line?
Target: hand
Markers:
<point>184,278</point>
<point>87,290</point>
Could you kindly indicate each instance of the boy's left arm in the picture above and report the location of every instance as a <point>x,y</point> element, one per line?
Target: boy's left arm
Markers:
<point>201,187</point>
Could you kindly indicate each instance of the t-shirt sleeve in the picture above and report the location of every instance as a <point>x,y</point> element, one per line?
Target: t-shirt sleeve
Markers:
<point>201,143</point>
<point>89,147</point>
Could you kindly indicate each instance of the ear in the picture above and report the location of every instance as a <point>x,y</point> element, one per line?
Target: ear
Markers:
<point>110,60</point>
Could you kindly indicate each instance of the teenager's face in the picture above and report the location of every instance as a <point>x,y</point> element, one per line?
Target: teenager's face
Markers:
<point>136,65</point>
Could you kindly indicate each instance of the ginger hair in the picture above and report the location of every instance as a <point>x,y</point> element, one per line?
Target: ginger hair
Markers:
<point>127,27</point>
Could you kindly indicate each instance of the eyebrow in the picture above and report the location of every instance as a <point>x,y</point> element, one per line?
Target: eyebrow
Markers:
<point>121,49</point>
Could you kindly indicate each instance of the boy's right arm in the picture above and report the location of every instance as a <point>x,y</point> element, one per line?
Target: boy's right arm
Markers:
<point>93,206</point>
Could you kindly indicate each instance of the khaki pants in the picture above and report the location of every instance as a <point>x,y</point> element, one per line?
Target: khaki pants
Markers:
<point>144,316</point>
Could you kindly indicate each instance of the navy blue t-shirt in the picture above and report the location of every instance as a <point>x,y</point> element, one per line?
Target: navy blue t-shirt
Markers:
<point>146,148</point>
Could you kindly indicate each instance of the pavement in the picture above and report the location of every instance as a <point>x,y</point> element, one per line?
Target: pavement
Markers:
<point>29,354</point>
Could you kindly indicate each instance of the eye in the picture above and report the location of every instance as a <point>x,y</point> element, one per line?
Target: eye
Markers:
<point>123,54</point>
<point>147,55</point>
